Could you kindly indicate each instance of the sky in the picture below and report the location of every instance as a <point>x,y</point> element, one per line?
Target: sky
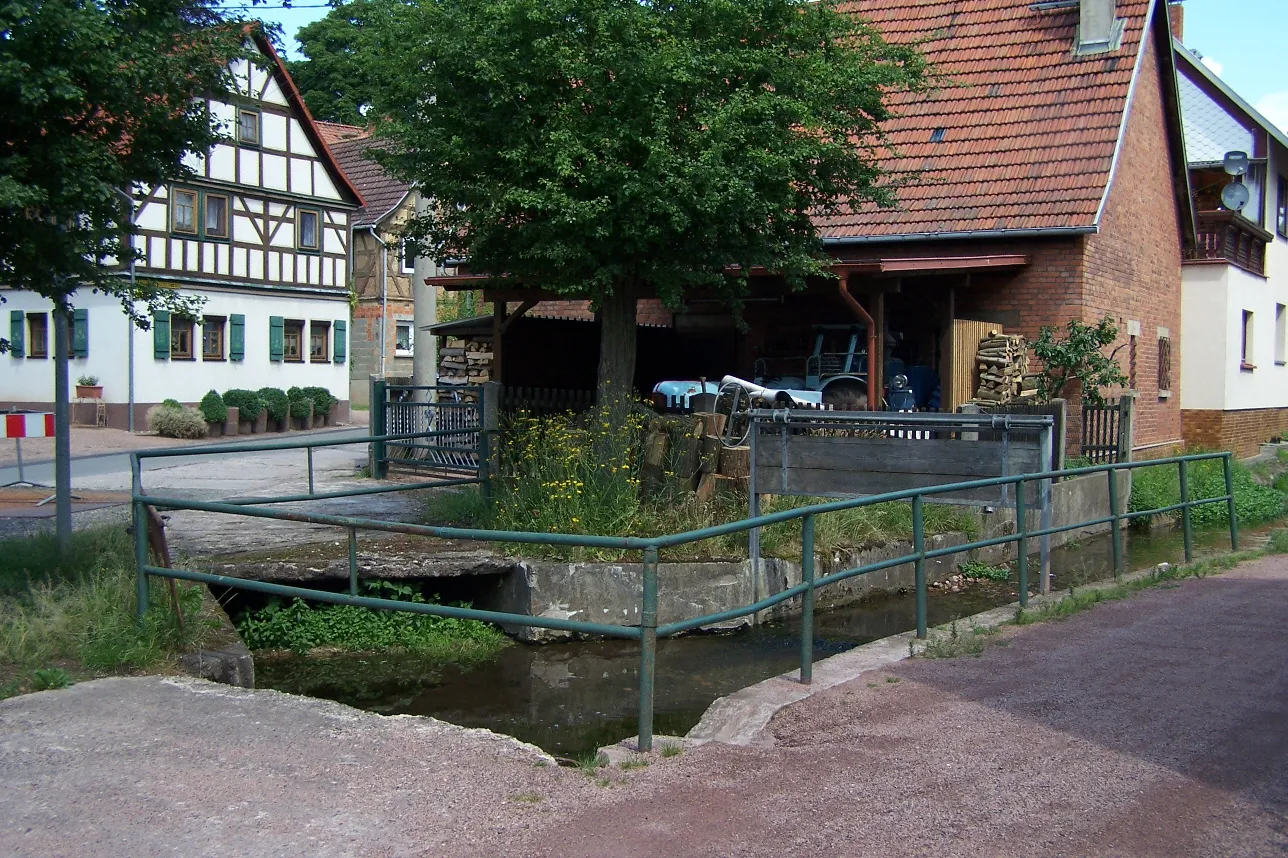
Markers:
<point>1244,41</point>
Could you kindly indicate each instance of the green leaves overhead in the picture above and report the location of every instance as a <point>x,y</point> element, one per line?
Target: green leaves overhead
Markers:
<point>589,146</point>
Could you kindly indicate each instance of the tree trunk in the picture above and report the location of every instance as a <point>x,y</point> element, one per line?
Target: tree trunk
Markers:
<point>62,431</point>
<point>617,350</point>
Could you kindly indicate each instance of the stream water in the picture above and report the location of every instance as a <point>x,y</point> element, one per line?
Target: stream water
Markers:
<point>571,698</point>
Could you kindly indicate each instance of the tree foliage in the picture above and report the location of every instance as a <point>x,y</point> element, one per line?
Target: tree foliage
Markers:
<point>616,148</point>
<point>1077,354</point>
<point>333,78</point>
<point>99,97</point>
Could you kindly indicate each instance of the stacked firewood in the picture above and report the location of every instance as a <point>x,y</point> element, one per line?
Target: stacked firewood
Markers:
<point>463,361</point>
<point>683,453</point>
<point>1003,361</point>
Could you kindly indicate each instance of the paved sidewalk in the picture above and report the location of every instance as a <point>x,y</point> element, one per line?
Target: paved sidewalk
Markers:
<point>95,441</point>
<point>1155,726</point>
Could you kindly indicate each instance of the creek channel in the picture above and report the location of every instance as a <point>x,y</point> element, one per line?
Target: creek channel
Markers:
<point>572,698</point>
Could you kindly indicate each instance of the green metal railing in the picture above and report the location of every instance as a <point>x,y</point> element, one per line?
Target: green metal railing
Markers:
<point>648,631</point>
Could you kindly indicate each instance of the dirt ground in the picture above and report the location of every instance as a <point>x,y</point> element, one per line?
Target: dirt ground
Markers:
<point>1154,726</point>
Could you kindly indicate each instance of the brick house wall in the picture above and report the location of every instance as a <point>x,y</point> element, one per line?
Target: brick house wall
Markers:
<point>1133,265</point>
<point>1242,432</point>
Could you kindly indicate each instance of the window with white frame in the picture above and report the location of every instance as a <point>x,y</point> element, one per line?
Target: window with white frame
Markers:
<point>403,339</point>
<point>1281,334</point>
<point>408,255</point>
<point>1246,342</point>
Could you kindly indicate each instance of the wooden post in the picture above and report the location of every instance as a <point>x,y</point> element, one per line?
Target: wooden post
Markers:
<point>1126,425</point>
<point>877,362</point>
<point>498,334</point>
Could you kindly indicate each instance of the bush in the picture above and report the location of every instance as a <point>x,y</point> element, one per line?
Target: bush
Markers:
<point>1160,486</point>
<point>275,401</point>
<point>171,403</point>
<point>177,422</point>
<point>301,627</point>
<point>247,403</point>
<point>213,408</point>
<point>301,408</point>
<point>323,401</point>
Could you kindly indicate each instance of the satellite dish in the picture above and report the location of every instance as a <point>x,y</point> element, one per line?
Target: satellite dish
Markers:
<point>1236,163</point>
<point>1235,196</point>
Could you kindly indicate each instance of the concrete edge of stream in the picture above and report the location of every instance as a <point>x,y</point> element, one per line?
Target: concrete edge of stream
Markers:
<point>741,718</point>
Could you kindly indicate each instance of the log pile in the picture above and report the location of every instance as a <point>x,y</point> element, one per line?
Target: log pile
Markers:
<point>462,361</point>
<point>1003,362</point>
<point>683,454</point>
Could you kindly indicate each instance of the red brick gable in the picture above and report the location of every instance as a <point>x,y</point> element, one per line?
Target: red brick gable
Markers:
<point>1029,129</point>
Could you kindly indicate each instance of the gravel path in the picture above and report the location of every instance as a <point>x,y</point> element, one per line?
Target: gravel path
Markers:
<point>1157,726</point>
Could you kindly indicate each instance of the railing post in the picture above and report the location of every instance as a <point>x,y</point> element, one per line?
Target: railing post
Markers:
<point>379,413</point>
<point>309,450</point>
<point>648,648</point>
<point>1116,533</point>
<point>1186,524</point>
<point>140,539</point>
<point>1229,492</point>
<point>807,600</point>
<point>919,547</point>
<point>1044,585</point>
<point>1022,555</point>
<point>353,561</point>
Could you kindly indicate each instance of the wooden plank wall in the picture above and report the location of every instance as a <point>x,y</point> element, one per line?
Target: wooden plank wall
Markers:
<point>966,336</point>
<point>839,466</point>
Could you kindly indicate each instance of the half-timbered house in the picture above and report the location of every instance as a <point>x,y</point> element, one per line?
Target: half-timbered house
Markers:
<point>261,231</point>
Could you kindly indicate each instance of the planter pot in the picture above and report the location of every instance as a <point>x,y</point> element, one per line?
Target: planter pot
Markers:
<point>245,427</point>
<point>301,423</point>
<point>328,419</point>
<point>86,391</point>
<point>214,430</point>
<point>319,420</point>
<point>261,421</point>
<point>233,423</point>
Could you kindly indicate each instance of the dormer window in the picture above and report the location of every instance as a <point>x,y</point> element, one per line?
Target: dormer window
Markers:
<point>308,229</point>
<point>248,127</point>
<point>184,211</point>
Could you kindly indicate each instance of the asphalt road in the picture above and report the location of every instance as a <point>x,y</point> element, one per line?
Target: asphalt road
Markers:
<point>1155,726</point>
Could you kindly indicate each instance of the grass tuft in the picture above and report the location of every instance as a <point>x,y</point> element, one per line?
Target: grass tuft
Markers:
<point>672,750</point>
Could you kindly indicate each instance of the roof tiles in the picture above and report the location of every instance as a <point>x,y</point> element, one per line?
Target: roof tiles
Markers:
<point>1030,129</point>
<point>381,191</point>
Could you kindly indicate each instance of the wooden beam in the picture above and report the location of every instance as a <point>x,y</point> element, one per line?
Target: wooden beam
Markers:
<point>510,319</point>
<point>498,334</point>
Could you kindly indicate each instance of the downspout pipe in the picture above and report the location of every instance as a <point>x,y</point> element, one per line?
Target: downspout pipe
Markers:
<point>874,404</point>
<point>384,298</point>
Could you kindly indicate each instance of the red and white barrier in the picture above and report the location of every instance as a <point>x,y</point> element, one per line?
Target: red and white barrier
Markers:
<point>30,425</point>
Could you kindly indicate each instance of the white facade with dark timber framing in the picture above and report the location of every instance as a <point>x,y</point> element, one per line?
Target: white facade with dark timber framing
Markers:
<point>262,231</point>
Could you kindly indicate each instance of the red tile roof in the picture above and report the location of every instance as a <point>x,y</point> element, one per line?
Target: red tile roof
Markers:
<point>382,192</point>
<point>334,132</point>
<point>1029,129</point>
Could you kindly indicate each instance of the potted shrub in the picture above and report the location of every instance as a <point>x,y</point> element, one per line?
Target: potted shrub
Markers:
<point>251,416</point>
<point>302,413</point>
<point>215,412</point>
<point>277,406</point>
<point>87,387</point>
<point>323,402</point>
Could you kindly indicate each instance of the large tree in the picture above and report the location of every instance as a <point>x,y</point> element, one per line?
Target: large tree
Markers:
<point>332,78</point>
<point>614,149</point>
<point>100,96</point>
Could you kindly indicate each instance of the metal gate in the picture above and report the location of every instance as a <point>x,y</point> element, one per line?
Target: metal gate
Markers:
<point>1102,432</point>
<point>451,418</point>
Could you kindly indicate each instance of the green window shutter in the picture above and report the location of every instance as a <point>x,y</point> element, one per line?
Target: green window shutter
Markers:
<point>340,337</point>
<point>237,337</point>
<point>80,333</point>
<point>161,335</point>
<point>276,349</point>
<point>17,333</point>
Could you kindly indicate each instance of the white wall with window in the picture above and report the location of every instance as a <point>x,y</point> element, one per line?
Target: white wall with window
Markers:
<point>242,339</point>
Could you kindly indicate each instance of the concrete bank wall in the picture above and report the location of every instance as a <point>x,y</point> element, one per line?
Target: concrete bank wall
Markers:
<point>610,592</point>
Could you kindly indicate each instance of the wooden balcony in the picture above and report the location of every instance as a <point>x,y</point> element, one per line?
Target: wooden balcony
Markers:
<point>1228,237</point>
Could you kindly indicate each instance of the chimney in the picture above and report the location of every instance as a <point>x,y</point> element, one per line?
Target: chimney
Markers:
<point>1099,28</point>
<point>1176,12</point>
